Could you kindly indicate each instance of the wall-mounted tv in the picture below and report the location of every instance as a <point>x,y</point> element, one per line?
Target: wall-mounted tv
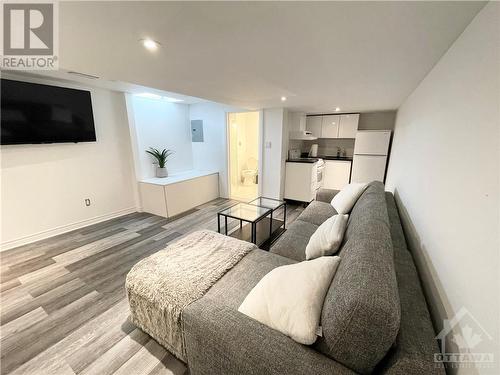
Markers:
<point>35,113</point>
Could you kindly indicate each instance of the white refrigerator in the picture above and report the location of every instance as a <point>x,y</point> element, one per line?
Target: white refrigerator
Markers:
<point>371,149</point>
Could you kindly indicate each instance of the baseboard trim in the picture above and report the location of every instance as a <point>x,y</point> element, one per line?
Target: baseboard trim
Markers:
<point>63,229</point>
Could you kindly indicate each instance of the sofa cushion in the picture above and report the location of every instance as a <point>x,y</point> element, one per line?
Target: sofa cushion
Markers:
<point>221,340</point>
<point>326,195</point>
<point>235,285</point>
<point>361,313</point>
<point>327,238</point>
<point>345,199</point>
<point>289,298</point>
<point>292,244</point>
<point>317,212</point>
<point>413,351</point>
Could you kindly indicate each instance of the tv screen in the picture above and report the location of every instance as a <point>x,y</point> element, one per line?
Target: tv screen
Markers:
<point>34,113</point>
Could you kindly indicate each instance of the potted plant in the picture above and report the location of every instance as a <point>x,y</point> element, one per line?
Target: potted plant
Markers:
<point>161,159</point>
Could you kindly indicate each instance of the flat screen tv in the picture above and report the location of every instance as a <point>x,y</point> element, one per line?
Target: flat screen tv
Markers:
<point>34,113</point>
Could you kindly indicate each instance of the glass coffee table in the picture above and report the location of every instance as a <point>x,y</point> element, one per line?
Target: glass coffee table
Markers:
<point>261,227</point>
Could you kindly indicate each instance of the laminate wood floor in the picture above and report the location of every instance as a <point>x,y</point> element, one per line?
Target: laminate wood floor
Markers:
<point>63,303</point>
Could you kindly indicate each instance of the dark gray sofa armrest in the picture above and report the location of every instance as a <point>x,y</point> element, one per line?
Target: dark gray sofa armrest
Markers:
<point>326,195</point>
<point>221,340</point>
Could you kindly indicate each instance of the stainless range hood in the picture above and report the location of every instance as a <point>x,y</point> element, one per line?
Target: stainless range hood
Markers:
<point>303,135</point>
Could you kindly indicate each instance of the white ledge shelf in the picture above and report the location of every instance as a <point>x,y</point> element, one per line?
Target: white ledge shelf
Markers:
<point>178,193</point>
<point>177,177</point>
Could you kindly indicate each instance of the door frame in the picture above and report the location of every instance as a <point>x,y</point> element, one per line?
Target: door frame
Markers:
<point>260,151</point>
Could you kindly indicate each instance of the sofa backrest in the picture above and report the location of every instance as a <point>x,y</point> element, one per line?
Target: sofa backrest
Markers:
<point>361,312</point>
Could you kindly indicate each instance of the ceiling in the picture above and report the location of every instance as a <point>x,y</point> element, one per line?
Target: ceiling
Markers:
<point>64,76</point>
<point>359,56</point>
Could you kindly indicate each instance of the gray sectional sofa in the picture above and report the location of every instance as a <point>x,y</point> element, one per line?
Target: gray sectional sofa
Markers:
<point>374,319</point>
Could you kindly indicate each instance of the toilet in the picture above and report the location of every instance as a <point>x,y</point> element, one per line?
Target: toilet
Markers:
<point>249,175</point>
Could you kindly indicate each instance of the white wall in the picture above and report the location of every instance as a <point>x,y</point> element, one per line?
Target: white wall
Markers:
<point>160,124</point>
<point>445,170</point>
<point>274,153</point>
<point>43,187</point>
<point>211,154</point>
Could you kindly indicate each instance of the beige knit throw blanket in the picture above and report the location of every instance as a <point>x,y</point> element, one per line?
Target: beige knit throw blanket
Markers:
<point>161,286</point>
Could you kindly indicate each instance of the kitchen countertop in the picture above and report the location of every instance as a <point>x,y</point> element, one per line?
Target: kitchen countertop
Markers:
<point>303,160</point>
<point>327,157</point>
<point>314,160</point>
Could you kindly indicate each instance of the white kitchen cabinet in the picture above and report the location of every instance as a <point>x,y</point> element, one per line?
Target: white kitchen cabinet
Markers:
<point>330,126</point>
<point>301,181</point>
<point>297,121</point>
<point>348,126</point>
<point>313,124</point>
<point>333,126</point>
<point>336,174</point>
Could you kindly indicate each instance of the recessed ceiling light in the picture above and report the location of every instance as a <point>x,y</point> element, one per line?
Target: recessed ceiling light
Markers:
<point>283,98</point>
<point>150,44</point>
<point>337,109</point>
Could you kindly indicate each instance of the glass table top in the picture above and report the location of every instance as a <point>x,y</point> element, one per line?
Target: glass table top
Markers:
<point>244,211</point>
<point>267,202</point>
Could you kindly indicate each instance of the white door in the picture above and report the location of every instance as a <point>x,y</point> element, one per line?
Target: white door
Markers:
<point>313,124</point>
<point>336,174</point>
<point>330,126</point>
<point>244,150</point>
<point>368,168</point>
<point>372,142</point>
<point>348,126</point>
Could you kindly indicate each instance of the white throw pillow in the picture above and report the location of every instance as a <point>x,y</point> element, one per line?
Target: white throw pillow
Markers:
<point>327,238</point>
<point>290,298</point>
<point>344,200</point>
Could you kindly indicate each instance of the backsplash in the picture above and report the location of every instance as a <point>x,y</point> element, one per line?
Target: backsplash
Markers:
<point>325,146</point>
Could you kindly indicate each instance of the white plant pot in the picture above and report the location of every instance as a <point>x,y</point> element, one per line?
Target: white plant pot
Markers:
<point>161,172</point>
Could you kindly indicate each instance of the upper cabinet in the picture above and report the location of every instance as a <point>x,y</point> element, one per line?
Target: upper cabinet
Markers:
<point>348,126</point>
<point>313,124</point>
<point>333,126</point>
<point>297,121</point>
<point>330,126</point>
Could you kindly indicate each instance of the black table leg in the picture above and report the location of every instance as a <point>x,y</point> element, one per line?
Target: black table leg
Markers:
<point>225,223</point>
<point>271,225</point>
<point>284,216</point>
<point>254,234</point>
<point>218,223</point>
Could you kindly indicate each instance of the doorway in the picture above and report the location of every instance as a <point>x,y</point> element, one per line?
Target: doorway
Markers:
<point>243,146</point>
